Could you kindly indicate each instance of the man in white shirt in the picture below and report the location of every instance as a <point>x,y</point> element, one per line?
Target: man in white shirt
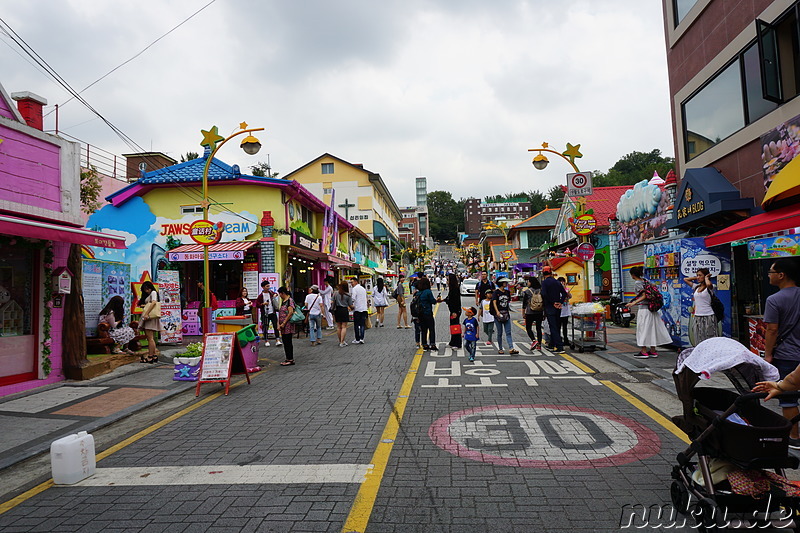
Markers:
<point>360,313</point>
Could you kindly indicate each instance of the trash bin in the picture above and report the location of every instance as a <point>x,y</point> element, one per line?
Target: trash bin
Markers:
<point>231,324</point>
<point>248,341</point>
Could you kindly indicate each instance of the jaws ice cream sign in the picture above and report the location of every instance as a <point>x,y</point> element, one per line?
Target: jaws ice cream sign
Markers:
<point>234,228</point>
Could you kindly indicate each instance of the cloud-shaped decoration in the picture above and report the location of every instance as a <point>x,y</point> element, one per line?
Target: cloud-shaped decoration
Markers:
<point>134,216</point>
<point>639,202</point>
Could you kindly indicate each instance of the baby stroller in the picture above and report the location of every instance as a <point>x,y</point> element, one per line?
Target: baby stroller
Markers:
<point>725,478</point>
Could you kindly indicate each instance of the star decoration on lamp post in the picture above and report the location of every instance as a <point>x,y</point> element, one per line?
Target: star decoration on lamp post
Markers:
<point>211,138</point>
<point>572,152</point>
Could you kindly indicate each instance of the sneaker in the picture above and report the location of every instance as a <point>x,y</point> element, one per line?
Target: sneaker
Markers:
<point>538,346</point>
<point>342,344</point>
<point>377,324</point>
<point>472,359</point>
<point>560,352</point>
<point>652,354</point>
<point>488,343</point>
<point>266,343</point>
<point>533,346</point>
<point>513,352</point>
<point>642,355</point>
<point>408,327</point>
<point>279,343</point>
<point>500,351</point>
<point>794,443</point>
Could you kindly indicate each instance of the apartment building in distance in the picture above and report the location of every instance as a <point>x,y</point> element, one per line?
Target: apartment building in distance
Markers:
<point>478,212</point>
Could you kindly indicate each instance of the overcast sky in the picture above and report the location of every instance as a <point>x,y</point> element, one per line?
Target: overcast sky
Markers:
<point>455,90</point>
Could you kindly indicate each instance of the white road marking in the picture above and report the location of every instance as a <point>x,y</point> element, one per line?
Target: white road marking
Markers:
<point>227,475</point>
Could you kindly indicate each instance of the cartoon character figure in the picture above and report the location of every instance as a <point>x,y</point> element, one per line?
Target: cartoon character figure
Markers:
<point>5,296</point>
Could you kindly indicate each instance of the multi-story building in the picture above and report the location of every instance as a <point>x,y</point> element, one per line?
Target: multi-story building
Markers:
<point>422,211</point>
<point>734,76</point>
<point>359,195</point>
<point>477,213</point>
<point>410,227</point>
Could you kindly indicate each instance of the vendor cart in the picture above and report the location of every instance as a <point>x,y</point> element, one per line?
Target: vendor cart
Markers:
<point>589,332</point>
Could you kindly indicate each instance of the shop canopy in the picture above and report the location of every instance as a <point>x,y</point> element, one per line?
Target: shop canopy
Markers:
<point>778,220</point>
<point>222,251</point>
<point>34,229</point>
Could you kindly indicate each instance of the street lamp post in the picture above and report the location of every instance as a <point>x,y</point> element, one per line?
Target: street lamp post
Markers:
<point>569,155</point>
<point>214,141</point>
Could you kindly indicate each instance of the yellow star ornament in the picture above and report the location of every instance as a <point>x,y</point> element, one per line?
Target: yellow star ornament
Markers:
<point>211,138</point>
<point>243,125</point>
<point>572,152</point>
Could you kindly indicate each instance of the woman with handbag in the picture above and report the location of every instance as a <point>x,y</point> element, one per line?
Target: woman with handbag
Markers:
<point>316,308</point>
<point>151,319</point>
<point>454,306</point>
<point>650,329</point>
<point>380,299</point>
<point>285,324</point>
<point>704,325</point>
<point>341,303</point>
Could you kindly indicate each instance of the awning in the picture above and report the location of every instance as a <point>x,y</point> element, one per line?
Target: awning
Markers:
<point>778,220</point>
<point>33,229</point>
<point>222,251</point>
<point>336,261</point>
<point>308,254</point>
<point>366,270</point>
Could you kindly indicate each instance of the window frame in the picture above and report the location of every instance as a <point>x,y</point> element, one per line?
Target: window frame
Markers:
<point>327,166</point>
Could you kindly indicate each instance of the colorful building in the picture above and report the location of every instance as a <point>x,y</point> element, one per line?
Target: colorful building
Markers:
<point>40,202</point>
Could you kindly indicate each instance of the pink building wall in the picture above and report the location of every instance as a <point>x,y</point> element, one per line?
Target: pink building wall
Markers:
<point>31,172</point>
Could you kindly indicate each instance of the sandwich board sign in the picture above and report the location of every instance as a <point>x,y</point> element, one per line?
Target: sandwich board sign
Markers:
<point>222,357</point>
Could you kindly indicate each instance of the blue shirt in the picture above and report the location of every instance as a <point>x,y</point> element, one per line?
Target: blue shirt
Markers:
<point>471,329</point>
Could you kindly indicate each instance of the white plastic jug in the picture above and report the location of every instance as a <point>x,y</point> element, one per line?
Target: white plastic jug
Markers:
<point>72,458</point>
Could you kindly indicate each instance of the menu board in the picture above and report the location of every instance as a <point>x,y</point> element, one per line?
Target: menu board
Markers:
<point>250,282</point>
<point>171,317</point>
<point>217,353</point>
<point>103,280</point>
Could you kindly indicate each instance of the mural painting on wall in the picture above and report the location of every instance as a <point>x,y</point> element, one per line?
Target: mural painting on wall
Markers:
<point>147,234</point>
<point>778,148</point>
<point>641,214</point>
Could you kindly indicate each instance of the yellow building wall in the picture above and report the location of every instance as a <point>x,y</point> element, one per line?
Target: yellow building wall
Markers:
<point>365,202</point>
<point>341,172</point>
<point>578,291</point>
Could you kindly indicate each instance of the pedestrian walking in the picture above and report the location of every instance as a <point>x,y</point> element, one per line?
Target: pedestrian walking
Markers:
<point>244,305</point>
<point>501,305</point>
<point>483,285</point>
<point>380,299</point>
<point>400,295</point>
<point>113,314</point>
<point>315,308</point>
<point>342,303</point>
<point>438,282</point>
<point>533,305</point>
<point>360,310</point>
<point>470,332</point>
<point>151,319</point>
<point>566,311</point>
<point>414,310</point>
<point>454,306</point>
<point>704,323</point>
<point>553,294</point>
<point>427,321</point>
<point>487,318</point>
<point>268,303</point>
<point>782,339</point>
<point>326,291</point>
<point>285,326</point>
<point>650,329</point>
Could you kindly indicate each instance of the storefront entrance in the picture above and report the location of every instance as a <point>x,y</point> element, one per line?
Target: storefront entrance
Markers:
<point>19,297</point>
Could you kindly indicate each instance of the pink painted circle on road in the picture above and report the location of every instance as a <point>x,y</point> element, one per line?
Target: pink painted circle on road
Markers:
<point>544,436</point>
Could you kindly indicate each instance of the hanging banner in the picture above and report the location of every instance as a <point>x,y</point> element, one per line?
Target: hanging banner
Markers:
<point>171,313</point>
<point>773,247</point>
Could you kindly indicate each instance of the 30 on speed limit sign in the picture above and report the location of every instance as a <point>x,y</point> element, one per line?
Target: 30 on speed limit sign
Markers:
<point>579,184</point>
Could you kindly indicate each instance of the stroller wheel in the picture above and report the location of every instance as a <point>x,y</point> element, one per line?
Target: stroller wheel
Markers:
<point>680,497</point>
<point>708,515</point>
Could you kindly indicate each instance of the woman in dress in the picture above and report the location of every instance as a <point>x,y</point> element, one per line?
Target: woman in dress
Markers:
<point>150,324</point>
<point>342,303</point>
<point>113,314</point>
<point>316,309</point>
<point>704,325</point>
<point>244,306</point>
<point>285,326</point>
<point>454,306</point>
<point>650,329</point>
<point>380,299</point>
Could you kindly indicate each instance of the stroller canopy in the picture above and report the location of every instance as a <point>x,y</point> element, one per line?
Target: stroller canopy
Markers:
<point>721,353</point>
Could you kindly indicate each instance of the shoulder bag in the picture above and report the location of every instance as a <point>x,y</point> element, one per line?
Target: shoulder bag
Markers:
<point>152,310</point>
<point>716,305</point>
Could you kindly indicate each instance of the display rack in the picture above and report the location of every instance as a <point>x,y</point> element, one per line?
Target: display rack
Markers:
<point>589,332</point>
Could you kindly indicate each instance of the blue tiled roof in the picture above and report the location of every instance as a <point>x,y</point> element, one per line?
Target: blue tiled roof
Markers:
<point>191,172</point>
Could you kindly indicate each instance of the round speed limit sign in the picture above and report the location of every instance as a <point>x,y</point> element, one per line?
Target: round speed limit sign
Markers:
<point>579,181</point>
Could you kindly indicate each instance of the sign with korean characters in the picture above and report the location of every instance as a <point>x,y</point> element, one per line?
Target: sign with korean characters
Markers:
<point>206,232</point>
<point>689,265</point>
<point>583,225</point>
<point>579,184</point>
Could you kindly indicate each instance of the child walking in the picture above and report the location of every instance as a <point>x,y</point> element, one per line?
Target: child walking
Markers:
<point>470,332</point>
<point>487,317</point>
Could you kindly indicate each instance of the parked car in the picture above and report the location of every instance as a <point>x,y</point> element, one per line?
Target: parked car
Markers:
<point>468,286</point>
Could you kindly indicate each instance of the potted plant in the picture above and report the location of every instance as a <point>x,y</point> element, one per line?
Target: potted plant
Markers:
<point>187,363</point>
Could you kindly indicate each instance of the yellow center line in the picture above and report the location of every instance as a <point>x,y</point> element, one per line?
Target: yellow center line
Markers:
<point>657,417</point>
<point>364,501</point>
<point>10,504</point>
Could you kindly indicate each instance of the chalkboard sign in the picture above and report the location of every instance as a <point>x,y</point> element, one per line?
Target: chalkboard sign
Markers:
<point>222,357</point>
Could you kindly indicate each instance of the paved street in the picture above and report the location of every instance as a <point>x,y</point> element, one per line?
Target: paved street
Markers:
<point>382,437</point>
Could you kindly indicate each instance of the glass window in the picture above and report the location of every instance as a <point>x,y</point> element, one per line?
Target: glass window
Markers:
<point>715,112</point>
<point>191,209</point>
<point>327,168</point>
<point>757,106</point>
<point>681,8</point>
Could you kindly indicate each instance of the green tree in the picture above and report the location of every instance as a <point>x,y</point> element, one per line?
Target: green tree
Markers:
<point>633,168</point>
<point>445,215</point>
<point>91,186</point>
<point>188,156</point>
<point>263,170</point>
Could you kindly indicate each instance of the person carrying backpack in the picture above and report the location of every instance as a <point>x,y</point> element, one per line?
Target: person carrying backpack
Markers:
<point>533,304</point>
<point>650,329</point>
<point>414,310</point>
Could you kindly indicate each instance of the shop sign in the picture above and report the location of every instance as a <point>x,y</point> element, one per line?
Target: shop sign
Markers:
<point>303,241</point>
<point>584,225</point>
<point>234,230</point>
<point>232,255</point>
<point>206,232</point>
<point>585,251</point>
<point>689,265</point>
<point>691,208</point>
<point>773,247</point>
